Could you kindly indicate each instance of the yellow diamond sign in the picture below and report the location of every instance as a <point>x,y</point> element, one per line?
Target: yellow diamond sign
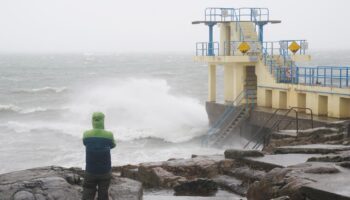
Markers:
<point>294,47</point>
<point>244,47</point>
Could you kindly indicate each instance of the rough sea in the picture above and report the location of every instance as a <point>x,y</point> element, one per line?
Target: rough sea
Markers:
<point>154,104</point>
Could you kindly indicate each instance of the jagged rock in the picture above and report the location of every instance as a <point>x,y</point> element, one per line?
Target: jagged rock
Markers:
<point>198,187</point>
<point>51,183</point>
<point>314,177</point>
<point>278,182</point>
<point>23,195</point>
<point>130,171</point>
<point>311,149</point>
<point>197,167</point>
<point>322,170</point>
<point>74,179</point>
<point>231,184</point>
<point>170,173</point>
<point>282,198</point>
<point>331,135</point>
<point>238,153</point>
<point>344,164</point>
<point>340,125</point>
<point>344,156</point>
<point>317,131</point>
<point>284,134</point>
<point>246,174</point>
<point>158,177</point>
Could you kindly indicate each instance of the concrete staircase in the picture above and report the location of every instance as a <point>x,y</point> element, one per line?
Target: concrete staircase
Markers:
<point>251,84</point>
<point>248,29</point>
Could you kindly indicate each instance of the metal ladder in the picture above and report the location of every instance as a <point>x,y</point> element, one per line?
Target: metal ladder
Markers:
<point>230,119</point>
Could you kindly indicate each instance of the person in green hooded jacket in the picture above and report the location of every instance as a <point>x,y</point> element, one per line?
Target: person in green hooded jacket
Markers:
<point>98,143</point>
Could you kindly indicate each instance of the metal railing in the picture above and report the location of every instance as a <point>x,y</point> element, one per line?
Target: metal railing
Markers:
<point>231,48</point>
<point>262,139</point>
<point>324,76</point>
<point>284,44</point>
<point>207,49</point>
<point>239,14</point>
<point>231,109</point>
<point>254,14</point>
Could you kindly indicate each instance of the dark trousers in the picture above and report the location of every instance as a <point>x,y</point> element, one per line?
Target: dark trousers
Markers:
<point>96,182</point>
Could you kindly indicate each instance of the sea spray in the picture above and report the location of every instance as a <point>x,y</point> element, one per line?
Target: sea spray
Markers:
<point>140,108</point>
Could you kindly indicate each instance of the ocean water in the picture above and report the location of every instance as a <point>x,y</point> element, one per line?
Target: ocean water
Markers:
<point>154,104</point>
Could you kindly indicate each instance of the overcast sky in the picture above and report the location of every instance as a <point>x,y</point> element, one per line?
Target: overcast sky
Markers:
<point>156,25</point>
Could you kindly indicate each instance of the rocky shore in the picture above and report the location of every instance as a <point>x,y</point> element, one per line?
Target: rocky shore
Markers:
<point>312,164</point>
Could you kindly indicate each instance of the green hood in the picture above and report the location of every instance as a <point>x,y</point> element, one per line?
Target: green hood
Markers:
<point>98,119</point>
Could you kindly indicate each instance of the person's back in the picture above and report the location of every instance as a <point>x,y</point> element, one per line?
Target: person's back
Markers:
<point>98,143</point>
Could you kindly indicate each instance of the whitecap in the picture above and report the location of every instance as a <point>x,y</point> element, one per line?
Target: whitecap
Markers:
<point>44,89</point>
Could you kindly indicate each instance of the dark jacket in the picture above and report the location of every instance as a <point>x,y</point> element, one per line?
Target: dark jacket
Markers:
<point>98,144</point>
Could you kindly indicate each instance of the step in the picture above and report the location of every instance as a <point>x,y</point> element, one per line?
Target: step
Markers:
<point>311,149</point>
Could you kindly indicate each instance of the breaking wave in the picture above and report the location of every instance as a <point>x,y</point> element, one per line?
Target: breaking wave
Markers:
<point>17,109</point>
<point>141,108</point>
<point>44,89</point>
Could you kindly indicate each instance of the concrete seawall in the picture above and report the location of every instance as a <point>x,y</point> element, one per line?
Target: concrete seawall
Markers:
<point>259,116</point>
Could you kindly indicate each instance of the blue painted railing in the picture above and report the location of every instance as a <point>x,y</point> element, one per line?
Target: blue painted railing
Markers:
<point>231,48</point>
<point>314,76</point>
<point>239,14</point>
<point>205,49</point>
<point>229,111</point>
<point>253,14</point>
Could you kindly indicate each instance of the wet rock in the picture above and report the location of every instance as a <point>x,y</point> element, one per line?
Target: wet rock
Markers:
<point>311,149</point>
<point>344,164</point>
<point>125,189</point>
<point>51,183</point>
<point>198,187</point>
<point>130,171</point>
<point>23,195</point>
<point>232,184</point>
<point>158,177</point>
<point>74,179</point>
<point>340,125</point>
<point>282,198</point>
<point>170,173</point>
<point>322,170</point>
<point>201,166</point>
<point>317,131</point>
<point>238,153</point>
<point>331,135</point>
<point>278,182</point>
<point>246,174</point>
<point>345,156</point>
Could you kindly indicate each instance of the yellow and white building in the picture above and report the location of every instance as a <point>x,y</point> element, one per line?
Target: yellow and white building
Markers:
<point>268,70</point>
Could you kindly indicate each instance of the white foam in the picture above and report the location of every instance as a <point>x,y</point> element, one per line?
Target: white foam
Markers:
<point>17,109</point>
<point>44,89</point>
<point>9,108</point>
<point>139,108</point>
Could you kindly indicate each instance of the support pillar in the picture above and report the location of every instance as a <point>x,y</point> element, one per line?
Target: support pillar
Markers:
<point>211,38</point>
<point>225,32</point>
<point>212,83</point>
<point>228,83</point>
<point>239,76</point>
<point>261,30</point>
